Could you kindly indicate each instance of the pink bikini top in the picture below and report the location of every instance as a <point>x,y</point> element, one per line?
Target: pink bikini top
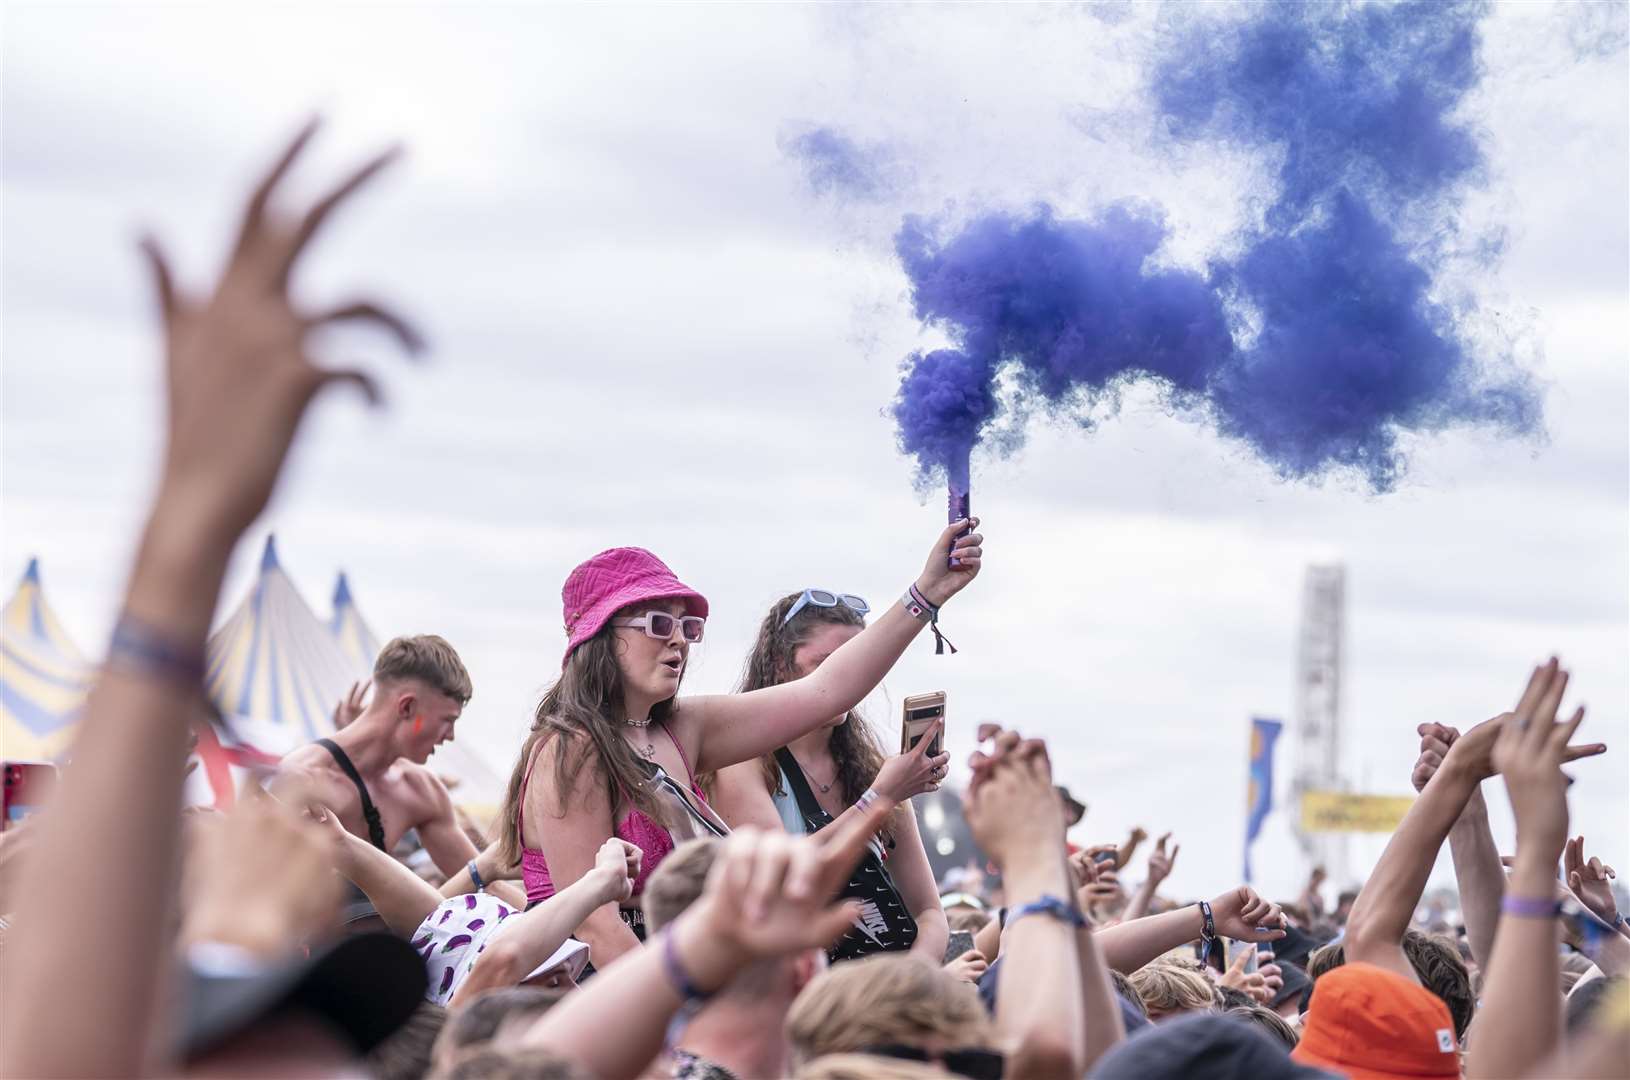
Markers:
<point>637,828</point>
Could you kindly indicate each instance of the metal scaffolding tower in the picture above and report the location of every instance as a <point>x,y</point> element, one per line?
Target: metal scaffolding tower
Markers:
<point>1318,708</point>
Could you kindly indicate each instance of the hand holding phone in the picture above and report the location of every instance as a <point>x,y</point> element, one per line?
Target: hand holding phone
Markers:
<point>918,716</point>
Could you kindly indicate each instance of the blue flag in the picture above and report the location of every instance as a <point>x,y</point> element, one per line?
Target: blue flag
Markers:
<point>1259,794</point>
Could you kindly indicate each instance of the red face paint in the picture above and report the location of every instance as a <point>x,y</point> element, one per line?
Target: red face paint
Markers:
<point>418,725</point>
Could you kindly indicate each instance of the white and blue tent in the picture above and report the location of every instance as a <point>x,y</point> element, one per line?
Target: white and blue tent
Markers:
<point>43,676</point>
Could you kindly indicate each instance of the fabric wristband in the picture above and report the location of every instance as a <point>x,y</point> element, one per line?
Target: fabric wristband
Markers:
<point>1526,907</point>
<point>1045,904</point>
<point>865,801</point>
<point>475,876</point>
<point>142,650</point>
<point>1208,931</point>
<point>918,607</point>
<point>676,973</point>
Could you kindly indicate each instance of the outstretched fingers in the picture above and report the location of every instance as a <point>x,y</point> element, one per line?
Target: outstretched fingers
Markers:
<point>313,222</point>
<point>367,311</point>
<point>254,213</point>
<point>1538,682</point>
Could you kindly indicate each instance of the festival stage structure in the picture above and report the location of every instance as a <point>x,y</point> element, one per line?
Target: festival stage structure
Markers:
<point>43,676</point>
<point>1319,662</point>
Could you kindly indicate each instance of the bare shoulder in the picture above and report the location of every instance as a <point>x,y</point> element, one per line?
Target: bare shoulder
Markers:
<point>423,782</point>
<point>308,758</point>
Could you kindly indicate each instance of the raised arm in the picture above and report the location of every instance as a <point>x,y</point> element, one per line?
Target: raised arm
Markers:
<point>238,382</point>
<point>1160,867</point>
<point>1012,808</point>
<point>1512,1031</point>
<point>736,727</point>
<point>1382,912</point>
<point>1478,874</point>
<point>1238,913</point>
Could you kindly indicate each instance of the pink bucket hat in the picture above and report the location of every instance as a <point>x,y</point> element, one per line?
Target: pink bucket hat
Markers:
<point>612,580</point>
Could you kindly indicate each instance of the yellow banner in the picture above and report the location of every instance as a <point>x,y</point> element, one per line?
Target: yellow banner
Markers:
<point>1337,811</point>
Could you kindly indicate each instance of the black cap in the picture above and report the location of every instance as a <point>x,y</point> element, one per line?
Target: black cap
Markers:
<point>1199,1048</point>
<point>1296,946</point>
<point>365,986</point>
<point>1296,982</point>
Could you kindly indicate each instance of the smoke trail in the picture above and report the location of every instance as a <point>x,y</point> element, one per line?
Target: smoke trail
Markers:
<point>1323,339</point>
<point>834,164</point>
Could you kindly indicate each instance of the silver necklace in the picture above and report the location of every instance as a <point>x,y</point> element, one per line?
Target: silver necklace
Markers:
<point>824,787</point>
<point>649,750</point>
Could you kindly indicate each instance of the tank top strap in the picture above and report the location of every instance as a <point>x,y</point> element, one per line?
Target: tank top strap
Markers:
<point>520,805</point>
<point>690,774</point>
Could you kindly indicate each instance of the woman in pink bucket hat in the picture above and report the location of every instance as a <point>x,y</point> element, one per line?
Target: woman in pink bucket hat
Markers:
<point>614,750</point>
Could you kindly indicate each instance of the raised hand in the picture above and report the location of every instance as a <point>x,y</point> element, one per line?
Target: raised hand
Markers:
<point>1588,881</point>
<point>1012,798</point>
<point>968,967</point>
<point>1436,739</point>
<point>1160,863</point>
<point>351,705</point>
<point>1529,751</point>
<point>1236,977</point>
<point>940,581</point>
<point>618,862</point>
<point>1243,915</point>
<point>915,772</point>
<point>238,375</point>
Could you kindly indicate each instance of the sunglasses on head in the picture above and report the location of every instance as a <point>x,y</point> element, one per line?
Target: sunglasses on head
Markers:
<point>823,598</point>
<point>660,625</point>
<point>974,1062</point>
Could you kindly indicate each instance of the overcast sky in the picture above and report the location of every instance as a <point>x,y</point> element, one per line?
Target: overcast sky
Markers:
<point>649,329</point>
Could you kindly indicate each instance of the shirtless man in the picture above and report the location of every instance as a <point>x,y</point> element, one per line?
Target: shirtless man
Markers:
<point>420,688</point>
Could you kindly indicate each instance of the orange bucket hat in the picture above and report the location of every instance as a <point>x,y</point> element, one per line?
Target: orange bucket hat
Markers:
<point>1371,1024</point>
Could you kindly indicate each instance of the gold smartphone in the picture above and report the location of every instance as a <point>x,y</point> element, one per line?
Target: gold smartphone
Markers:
<point>918,714</point>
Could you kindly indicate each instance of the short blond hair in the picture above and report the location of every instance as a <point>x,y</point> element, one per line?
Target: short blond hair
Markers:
<point>677,881</point>
<point>1165,987</point>
<point>428,658</point>
<point>882,1000</point>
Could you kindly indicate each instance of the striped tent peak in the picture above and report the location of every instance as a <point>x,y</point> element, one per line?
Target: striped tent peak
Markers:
<point>27,615</point>
<point>274,661</point>
<point>351,630</point>
<point>43,676</point>
<point>41,695</point>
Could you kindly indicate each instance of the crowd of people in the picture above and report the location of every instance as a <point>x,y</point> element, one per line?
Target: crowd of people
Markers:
<point>713,886</point>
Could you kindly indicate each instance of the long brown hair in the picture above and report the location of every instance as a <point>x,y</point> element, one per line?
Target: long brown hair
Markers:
<point>854,746</point>
<point>584,709</point>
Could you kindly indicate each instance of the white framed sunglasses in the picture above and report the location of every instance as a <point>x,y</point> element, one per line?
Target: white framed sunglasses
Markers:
<point>825,598</point>
<point>660,625</point>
